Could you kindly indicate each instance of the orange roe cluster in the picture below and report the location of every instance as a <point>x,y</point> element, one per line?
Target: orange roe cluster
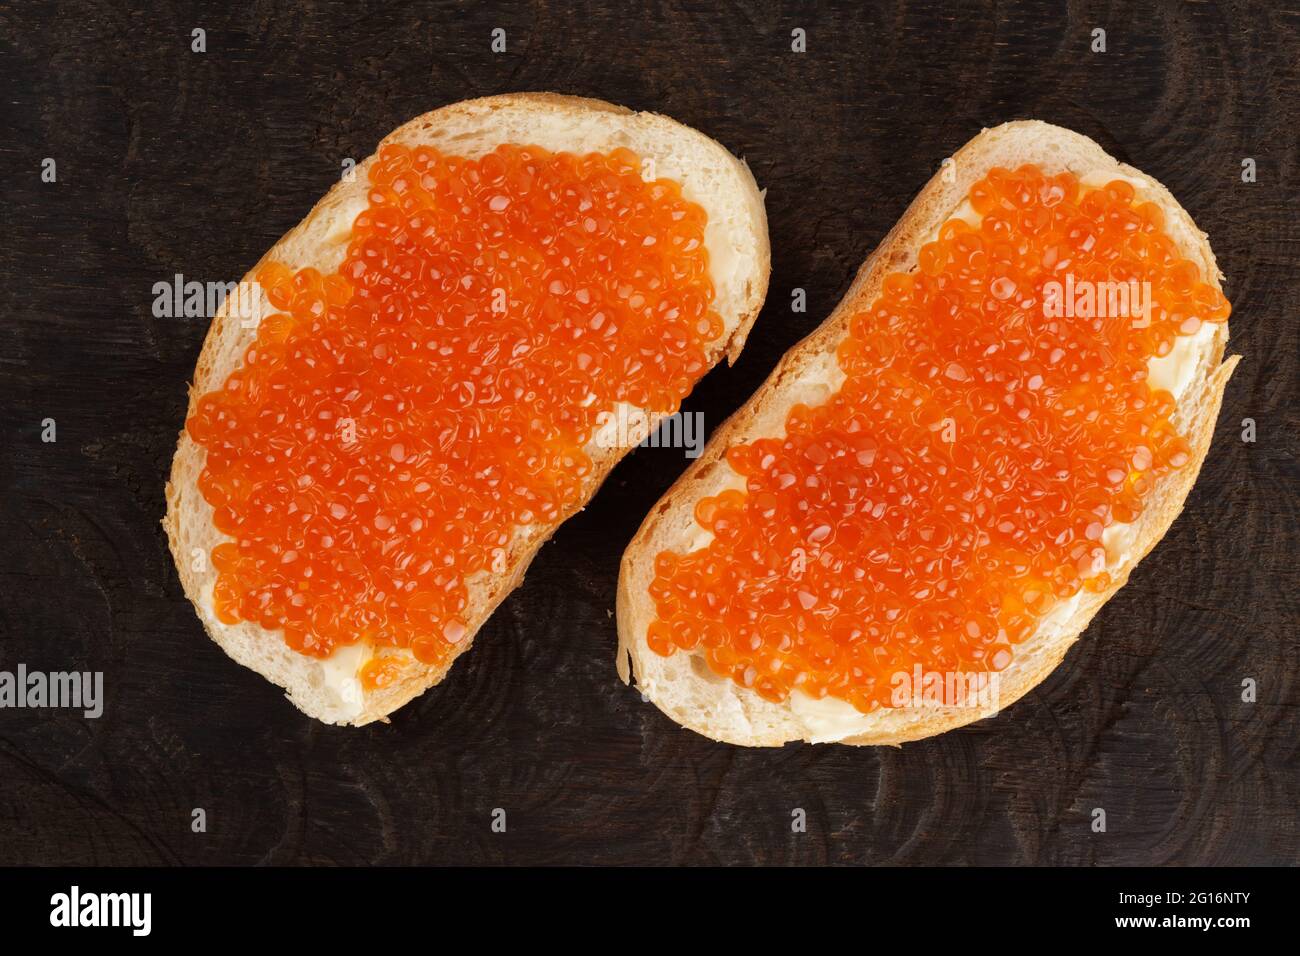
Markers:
<point>956,487</point>
<point>398,421</point>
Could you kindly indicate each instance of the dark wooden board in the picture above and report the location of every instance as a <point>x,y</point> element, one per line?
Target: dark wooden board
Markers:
<point>171,162</point>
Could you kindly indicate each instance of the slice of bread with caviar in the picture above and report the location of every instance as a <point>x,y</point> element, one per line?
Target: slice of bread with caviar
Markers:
<point>329,687</point>
<point>698,692</point>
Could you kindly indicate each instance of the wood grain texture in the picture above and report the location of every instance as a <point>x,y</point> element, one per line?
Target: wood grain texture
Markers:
<point>176,162</point>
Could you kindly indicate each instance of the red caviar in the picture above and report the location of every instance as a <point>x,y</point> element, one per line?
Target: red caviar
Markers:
<point>397,421</point>
<point>957,485</point>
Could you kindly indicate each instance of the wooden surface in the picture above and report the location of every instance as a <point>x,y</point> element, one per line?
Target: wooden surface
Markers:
<point>171,162</point>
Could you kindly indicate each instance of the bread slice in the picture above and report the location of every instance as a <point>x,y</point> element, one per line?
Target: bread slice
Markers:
<point>736,237</point>
<point>683,686</point>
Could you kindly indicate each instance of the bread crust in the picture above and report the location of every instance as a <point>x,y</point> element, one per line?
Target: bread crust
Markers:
<point>710,176</point>
<point>681,685</point>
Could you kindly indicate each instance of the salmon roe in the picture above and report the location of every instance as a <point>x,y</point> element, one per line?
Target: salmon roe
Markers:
<point>397,422</point>
<point>956,486</point>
